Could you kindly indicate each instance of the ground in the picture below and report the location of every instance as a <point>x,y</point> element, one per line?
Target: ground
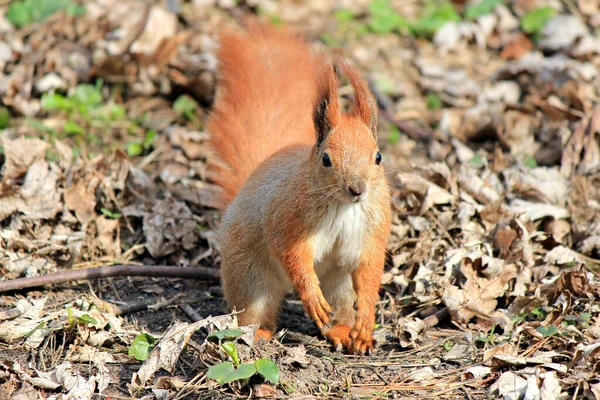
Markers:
<point>489,128</point>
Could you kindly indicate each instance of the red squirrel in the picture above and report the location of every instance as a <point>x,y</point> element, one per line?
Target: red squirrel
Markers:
<point>307,203</point>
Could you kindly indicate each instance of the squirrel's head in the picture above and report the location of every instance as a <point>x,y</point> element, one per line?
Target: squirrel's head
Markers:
<point>347,160</point>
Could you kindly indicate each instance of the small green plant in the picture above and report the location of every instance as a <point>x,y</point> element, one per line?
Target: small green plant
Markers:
<point>394,136</point>
<point>448,345</point>
<point>491,338</point>
<point>187,106</point>
<point>86,319</point>
<point>477,160</point>
<point>226,334</point>
<point>484,7</point>
<point>539,314</point>
<point>533,22</point>
<point>434,16</point>
<point>432,101</point>
<point>530,162</point>
<point>384,19</point>
<point>4,117</point>
<point>384,84</point>
<point>230,371</point>
<point>110,214</point>
<point>139,146</point>
<point>344,16</point>
<point>547,331</point>
<point>582,320</point>
<point>23,12</point>
<point>142,346</point>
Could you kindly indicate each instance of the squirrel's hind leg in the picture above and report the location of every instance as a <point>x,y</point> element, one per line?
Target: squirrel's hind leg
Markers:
<point>260,299</point>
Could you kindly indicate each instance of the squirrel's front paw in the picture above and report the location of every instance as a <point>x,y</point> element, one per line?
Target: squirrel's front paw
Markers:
<point>317,309</point>
<point>362,337</point>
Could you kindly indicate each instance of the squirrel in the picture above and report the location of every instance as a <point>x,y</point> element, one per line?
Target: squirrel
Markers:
<point>307,204</point>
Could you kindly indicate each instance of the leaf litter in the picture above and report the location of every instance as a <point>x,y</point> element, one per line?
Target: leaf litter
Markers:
<point>492,286</point>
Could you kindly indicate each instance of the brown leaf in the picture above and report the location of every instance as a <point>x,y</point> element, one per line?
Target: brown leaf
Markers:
<point>81,198</point>
<point>574,281</point>
<point>582,152</point>
<point>20,154</point>
<point>478,295</point>
<point>517,47</point>
<point>504,240</point>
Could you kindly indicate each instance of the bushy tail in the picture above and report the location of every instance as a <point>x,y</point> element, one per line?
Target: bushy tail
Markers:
<point>264,101</point>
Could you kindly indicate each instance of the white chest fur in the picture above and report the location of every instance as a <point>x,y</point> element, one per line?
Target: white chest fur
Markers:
<point>339,236</point>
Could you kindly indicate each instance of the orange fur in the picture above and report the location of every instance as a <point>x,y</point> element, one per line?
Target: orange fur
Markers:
<point>309,206</point>
<point>263,103</point>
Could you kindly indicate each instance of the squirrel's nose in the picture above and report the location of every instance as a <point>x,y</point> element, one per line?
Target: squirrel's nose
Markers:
<point>358,188</point>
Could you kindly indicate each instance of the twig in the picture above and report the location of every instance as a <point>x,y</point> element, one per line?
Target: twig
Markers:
<point>384,103</point>
<point>124,309</point>
<point>114,270</point>
<point>435,319</point>
<point>190,312</point>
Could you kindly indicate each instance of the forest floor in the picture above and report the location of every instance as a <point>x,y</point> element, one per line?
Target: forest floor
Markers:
<point>490,131</point>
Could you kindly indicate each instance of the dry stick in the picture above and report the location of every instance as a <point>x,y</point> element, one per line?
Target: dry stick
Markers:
<point>111,271</point>
<point>384,103</point>
<point>190,312</point>
<point>435,319</point>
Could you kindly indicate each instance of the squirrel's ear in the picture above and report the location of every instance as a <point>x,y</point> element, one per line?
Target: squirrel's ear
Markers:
<point>364,106</point>
<point>326,113</point>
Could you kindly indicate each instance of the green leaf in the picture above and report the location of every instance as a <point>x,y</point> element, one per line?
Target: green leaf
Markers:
<point>329,39</point>
<point>231,351</point>
<point>434,16</point>
<point>547,331</point>
<point>19,13</point>
<point>76,10</point>
<point>185,105</point>
<point>384,19</point>
<point>86,319</point>
<point>135,149</point>
<point>56,102</point>
<point>117,111</point>
<point>585,317</point>
<point>533,22</point>
<point>142,346</point>
<point>530,162</point>
<point>72,128</point>
<point>394,134</point>
<point>384,84</point>
<point>149,139</point>
<point>432,101</point>
<point>226,334</point>
<point>225,372</point>
<point>110,214</point>
<point>23,12</point>
<point>72,320</point>
<point>268,369</point>
<point>87,95</point>
<point>477,160</point>
<point>484,7</point>
<point>448,345</point>
<point>344,15</point>
<point>539,313</point>
<point>4,117</point>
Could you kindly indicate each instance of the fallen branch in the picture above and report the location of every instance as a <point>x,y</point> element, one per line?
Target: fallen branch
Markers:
<point>384,103</point>
<point>190,312</point>
<point>200,273</point>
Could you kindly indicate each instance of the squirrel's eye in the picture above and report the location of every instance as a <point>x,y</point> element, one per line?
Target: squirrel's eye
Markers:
<point>378,158</point>
<point>326,160</point>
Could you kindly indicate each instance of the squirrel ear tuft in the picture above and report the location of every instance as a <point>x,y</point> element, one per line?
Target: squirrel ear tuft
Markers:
<point>364,106</point>
<point>326,112</point>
